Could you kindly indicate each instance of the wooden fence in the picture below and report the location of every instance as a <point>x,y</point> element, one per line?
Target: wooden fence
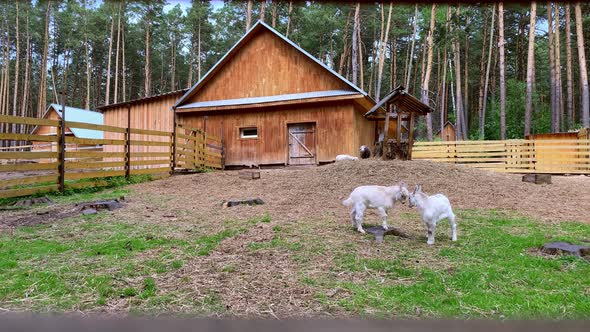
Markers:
<point>571,156</point>
<point>30,172</point>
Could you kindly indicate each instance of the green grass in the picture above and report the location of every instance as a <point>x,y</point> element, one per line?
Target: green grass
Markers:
<point>492,271</point>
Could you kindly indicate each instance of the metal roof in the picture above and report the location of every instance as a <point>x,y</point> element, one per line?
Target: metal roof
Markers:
<point>79,115</point>
<point>144,99</point>
<point>270,99</point>
<point>256,27</point>
<point>403,101</point>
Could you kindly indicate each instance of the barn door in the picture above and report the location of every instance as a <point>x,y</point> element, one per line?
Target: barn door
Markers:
<point>302,144</point>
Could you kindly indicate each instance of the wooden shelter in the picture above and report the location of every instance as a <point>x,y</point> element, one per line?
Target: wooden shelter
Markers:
<point>448,132</point>
<point>272,103</point>
<point>399,109</point>
<point>73,114</point>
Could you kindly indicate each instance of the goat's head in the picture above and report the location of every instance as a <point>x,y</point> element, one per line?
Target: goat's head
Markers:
<point>417,191</point>
<point>403,193</point>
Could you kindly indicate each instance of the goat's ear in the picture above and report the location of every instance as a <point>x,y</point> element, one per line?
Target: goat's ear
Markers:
<point>419,188</point>
<point>415,189</point>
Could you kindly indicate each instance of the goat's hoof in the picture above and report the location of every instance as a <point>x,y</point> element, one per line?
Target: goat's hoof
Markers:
<point>362,231</point>
<point>385,228</point>
<point>454,239</point>
<point>430,243</point>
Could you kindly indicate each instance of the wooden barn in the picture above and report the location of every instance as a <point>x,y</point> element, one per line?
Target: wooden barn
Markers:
<point>73,114</point>
<point>275,104</point>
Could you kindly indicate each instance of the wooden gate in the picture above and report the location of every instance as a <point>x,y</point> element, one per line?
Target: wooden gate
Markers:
<point>302,144</point>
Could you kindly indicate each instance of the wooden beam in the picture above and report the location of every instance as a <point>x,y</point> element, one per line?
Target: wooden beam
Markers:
<point>411,136</point>
<point>386,132</point>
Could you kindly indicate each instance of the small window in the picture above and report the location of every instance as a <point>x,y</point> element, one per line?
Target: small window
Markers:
<point>248,132</point>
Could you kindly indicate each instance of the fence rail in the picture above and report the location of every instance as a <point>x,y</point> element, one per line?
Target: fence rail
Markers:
<point>44,162</point>
<point>565,156</point>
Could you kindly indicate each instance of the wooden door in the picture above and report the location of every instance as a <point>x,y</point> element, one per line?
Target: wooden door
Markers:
<point>302,144</point>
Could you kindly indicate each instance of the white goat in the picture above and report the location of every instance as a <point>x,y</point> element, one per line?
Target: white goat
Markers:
<point>342,157</point>
<point>433,209</point>
<point>375,197</point>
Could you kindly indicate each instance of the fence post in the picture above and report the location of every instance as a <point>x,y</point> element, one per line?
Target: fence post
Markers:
<point>61,154</point>
<point>173,166</point>
<point>128,144</point>
<point>222,147</point>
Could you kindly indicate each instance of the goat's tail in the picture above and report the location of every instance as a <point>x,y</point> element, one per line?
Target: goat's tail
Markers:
<point>348,201</point>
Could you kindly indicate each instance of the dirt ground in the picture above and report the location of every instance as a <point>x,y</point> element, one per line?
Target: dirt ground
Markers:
<point>292,194</point>
<point>268,282</point>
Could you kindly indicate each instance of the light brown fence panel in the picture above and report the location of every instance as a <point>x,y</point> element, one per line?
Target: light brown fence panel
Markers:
<point>21,173</point>
<point>555,156</point>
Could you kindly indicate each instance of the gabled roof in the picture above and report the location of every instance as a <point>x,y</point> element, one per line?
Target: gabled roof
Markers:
<point>271,100</point>
<point>258,26</point>
<point>405,103</point>
<point>79,115</point>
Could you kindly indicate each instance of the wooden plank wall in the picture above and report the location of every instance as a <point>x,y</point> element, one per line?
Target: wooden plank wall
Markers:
<point>339,128</point>
<point>570,156</point>
<point>249,74</point>
<point>153,114</point>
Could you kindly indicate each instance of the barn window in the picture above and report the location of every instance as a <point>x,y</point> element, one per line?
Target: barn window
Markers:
<point>251,132</point>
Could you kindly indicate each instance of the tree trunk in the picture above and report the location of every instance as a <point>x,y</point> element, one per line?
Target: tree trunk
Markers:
<point>43,80</point>
<point>248,15</point>
<point>16,71</point>
<point>26,83</point>
<point>482,69</point>
<point>552,76</point>
<point>123,67</point>
<point>274,13</point>
<point>147,81</point>
<point>530,71</point>
<point>559,115</point>
<point>355,45</point>
<point>361,62</point>
<point>345,47</point>
<point>191,63</point>
<point>583,70</point>
<point>502,71</point>
<point>466,82</point>
<point>382,48</point>
<point>262,10</point>
<point>199,50</point>
<point>444,93</point>
<point>459,101</point>
<point>482,118</point>
<point>107,98</point>
<point>568,62</point>
<point>289,18</point>
<point>411,58</point>
<point>116,91</point>
<point>426,80</point>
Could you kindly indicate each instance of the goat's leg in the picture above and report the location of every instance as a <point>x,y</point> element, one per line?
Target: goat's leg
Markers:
<point>431,228</point>
<point>383,215</point>
<point>453,225</point>
<point>353,217</point>
<point>360,213</point>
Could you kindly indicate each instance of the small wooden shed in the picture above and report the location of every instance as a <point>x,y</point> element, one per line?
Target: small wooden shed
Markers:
<point>398,109</point>
<point>448,133</point>
<point>272,103</point>
<point>73,114</point>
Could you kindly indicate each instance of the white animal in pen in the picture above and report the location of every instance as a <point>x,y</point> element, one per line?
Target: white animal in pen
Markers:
<point>433,209</point>
<point>342,157</point>
<point>374,197</point>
